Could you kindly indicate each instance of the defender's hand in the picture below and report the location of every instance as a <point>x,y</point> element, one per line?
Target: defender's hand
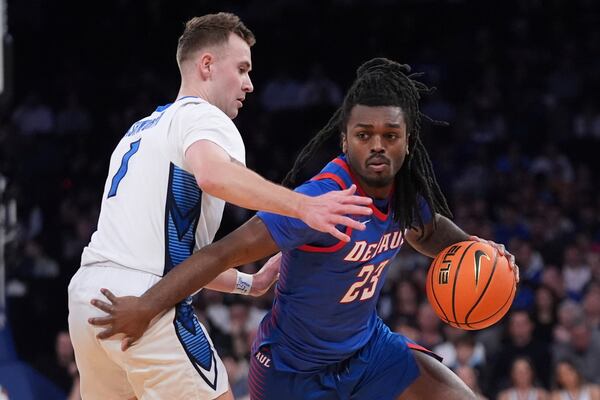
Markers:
<point>324,212</point>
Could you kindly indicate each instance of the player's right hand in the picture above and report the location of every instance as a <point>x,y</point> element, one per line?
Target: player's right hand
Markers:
<point>503,253</point>
<point>126,315</point>
<point>324,212</point>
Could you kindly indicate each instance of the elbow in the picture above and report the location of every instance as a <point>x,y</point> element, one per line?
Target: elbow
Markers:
<point>208,183</point>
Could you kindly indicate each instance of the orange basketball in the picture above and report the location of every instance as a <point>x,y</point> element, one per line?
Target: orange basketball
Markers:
<point>470,286</point>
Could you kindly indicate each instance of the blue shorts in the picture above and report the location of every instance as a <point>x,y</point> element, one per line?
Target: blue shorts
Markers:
<point>381,370</point>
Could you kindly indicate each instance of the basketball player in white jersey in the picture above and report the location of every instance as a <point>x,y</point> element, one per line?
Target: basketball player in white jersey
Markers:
<point>168,179</point>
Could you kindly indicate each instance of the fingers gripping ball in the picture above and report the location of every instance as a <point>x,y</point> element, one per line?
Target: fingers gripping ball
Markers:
<point>470,286</point>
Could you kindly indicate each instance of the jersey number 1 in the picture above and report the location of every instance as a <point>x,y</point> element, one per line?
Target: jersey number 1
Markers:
<point>365,287</point>
<point>116,180</point>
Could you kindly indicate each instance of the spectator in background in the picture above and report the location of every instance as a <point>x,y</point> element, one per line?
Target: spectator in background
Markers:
<point>513,161</point>
<point>530,261</point>
<point>429,326</point>
<point>61,368</point>
<point>211,308</point>
<point>570,383</point>
<point>466,352</point>
<point>545,313</point>
<point>569,312</point>
<point>407,327</point>
<point>591,305</point>
<point>37,264</point>
<point>73,118</point>
<point>3,394</point>
<point>240,328</point>
<point>523,379</point>
<point>519,342</point>
<point>33,117</point>
<point>510,226</point>
<point>460,348</point>
<point>532,273</point>
<point>552,278</point>
<point>583,348</point>
<point>576,272</point>
<point>553,165</point>
<point>471,378</point>
<point>593,259</point>
<point>407,298</point>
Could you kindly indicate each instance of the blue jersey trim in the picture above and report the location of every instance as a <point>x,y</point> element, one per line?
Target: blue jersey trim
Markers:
<point>182,213</point>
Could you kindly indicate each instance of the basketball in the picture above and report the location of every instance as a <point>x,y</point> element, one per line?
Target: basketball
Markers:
<point>470,286</point>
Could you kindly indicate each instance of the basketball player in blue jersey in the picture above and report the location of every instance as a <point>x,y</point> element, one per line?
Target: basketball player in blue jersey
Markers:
<point>323,338</point>
<point>169,178</point>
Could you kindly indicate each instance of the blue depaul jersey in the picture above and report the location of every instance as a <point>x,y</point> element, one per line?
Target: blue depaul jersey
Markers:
<point>326,296</point>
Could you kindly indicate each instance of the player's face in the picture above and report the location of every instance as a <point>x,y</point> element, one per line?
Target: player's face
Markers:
<point>375,143</point>
<point>231,77</point>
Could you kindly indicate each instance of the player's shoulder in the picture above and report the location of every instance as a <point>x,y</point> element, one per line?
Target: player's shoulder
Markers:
<point>318,186</point>
<point>198,104</point>
<point>202,112</point>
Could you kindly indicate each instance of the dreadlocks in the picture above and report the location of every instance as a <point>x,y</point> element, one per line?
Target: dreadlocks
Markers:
<point>382,82</point>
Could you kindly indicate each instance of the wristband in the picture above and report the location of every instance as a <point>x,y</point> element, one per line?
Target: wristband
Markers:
<point>243,283</point>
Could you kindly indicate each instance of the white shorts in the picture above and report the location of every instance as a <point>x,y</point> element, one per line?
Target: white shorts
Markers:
<point>174,359</point>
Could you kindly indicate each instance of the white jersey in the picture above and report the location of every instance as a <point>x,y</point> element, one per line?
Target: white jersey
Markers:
<point>153,213</point>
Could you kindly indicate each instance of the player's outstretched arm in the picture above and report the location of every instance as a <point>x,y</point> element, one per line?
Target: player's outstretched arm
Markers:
<point>220,176</point>
<point>131,315</point>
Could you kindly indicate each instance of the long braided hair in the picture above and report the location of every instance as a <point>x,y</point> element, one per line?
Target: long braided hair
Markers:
<point>383,82</point>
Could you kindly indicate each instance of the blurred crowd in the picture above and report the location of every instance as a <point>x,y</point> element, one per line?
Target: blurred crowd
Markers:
<point>517,82</point>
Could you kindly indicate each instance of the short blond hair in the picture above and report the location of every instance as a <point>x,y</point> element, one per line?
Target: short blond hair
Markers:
<point>210,30</point>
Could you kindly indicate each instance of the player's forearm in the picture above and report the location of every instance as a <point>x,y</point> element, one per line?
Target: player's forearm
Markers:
<point>183,280</point>
<point>436,239</point>
<point>243,187</point>
<point>250,242</point>
<point>224,282</point>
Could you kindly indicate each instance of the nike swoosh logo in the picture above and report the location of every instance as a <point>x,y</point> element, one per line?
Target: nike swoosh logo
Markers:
<point>478,255</point>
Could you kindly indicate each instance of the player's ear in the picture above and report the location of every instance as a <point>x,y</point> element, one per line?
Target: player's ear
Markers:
<point>204,65</point>
<point>344,143</point>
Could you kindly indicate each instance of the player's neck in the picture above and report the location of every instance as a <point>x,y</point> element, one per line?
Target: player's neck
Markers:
<point>377,193</point>
<point>190,90</point>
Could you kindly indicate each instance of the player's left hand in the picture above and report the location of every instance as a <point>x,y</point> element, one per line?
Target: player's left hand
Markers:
<point>503,252</point>
<point>126,315</point>
<point>266,277</point>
